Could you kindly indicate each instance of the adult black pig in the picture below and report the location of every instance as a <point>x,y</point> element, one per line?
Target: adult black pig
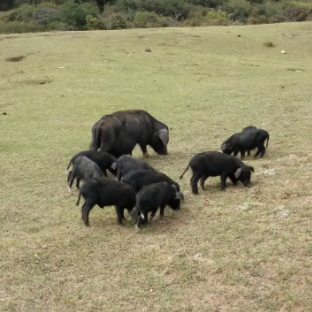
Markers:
<point>126,163</point>
<point>212,164</point>
<point>150,198</point>
<point>102,159</point>
<point>106,192</point>
<point>246,141</point>
<point>247,129</point>
<point>83,169</point>
<point>139,178</point>
<point>119,132</point>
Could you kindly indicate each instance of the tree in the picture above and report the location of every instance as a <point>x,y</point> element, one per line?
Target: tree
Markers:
<point>102,3</point>
<point>6,5</point>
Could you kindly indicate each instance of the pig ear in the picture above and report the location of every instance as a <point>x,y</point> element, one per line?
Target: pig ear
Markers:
<point>252,169</point>
<point>237,173</point>
<point>179,196</point>
<point>164,136</point>
<point>114,165</point>
<point>223,146</point>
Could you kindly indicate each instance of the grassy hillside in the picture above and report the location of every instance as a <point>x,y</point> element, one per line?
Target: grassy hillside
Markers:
<point>248,249</point>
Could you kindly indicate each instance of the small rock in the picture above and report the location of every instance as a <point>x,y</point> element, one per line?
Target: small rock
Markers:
<point>281,211</point>
<point>283,51</point>
<point>244,206</point>
<point>148,50</point>
<point>269,172</point>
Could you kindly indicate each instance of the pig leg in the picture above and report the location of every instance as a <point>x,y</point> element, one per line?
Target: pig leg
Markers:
<point>261,149</point>
<point>152,215</point>
<point>258,152</point>
<point>202,181</point>
<point>82,208</point>
<point>223,181</point>
<point>85,213</point>
<point>236,150</point>
<point>72,178</point>
<point>77,182</point>
<point>144,149</point>
<point>119,174</point>
<point>119,211</point>
<point>162,209</point>
<point>194,181</point>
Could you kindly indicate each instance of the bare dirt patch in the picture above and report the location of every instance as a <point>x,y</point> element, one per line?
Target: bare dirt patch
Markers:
<point>9,37</point>
<point>15,58</point>
<point>37,81</point>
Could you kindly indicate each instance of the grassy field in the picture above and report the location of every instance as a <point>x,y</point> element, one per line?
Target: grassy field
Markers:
<point>247,249</point>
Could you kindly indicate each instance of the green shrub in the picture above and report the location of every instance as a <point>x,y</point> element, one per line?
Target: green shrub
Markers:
<point>195,19</point>
<point>262,19</point>
<point>220,16</point>
<point>18,3</point>
<point>277,19</point>
<point>74,14</point>
<point>56,25</point>
<point>178,9</point>
<point>108,16</point>
<point>45,15</point>
<point>126,5</point>
<point>208,3</point>
<point>273,8</point>
<point>20,27</point>
<point>253,20</point>
<point>94,23</point>
<point>213,17</point>
<point>204,12</point>
<point>6,5</point>
<point>237,10</point>
<point>167,21</point>
<point>145,19</point>
<point>296,13</point>
<point>305,4</point>
<point>118,22</point>
<point>50,5</point>
<point>59,2</point>
<point>22,14</point>
<point>256,1</point>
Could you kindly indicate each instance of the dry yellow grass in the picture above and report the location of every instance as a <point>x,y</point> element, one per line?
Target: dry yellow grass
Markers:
<point>248,249</point>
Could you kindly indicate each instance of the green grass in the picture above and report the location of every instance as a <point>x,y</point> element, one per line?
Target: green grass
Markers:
<point>248,249</point>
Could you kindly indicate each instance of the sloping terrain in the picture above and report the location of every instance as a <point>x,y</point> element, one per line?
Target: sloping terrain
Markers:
<point>243,249</point>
